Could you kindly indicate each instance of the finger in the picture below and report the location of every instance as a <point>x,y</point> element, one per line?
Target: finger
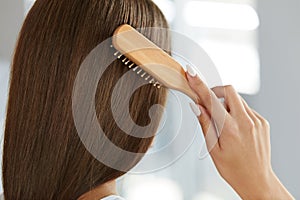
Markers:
<point>200,88</point>
<point>232,99</point>
<point>208,128</point>
<point>257,115</point>
<point>264,122</point>
<point>250,113</point>
<point>207,98</point>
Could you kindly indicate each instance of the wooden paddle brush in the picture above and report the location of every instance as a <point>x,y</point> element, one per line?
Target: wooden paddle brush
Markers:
<point>149,61</point>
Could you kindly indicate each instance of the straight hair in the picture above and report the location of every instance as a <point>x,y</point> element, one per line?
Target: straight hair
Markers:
<point>43,156</point>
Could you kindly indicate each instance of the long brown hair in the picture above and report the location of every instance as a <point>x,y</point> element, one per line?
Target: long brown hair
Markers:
<point>44,157</point>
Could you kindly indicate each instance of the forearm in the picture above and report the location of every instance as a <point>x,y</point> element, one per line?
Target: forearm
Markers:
<point>280,192</point>
<point>273,189</point>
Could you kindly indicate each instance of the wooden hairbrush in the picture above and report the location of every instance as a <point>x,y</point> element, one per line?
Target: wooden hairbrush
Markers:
<point>149,61</point>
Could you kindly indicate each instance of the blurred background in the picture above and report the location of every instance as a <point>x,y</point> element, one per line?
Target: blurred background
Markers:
<point>255,47</point>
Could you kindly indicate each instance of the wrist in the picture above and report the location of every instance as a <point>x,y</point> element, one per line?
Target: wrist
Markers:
<point>269,189</point>
<point>279,191</point>
<point>262,188</point>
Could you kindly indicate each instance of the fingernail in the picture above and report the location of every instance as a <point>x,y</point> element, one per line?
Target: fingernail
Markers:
<point>195,109</point>
<point>191,71</point>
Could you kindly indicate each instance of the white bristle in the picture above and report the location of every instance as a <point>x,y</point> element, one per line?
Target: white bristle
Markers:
<point>127,61</point>
<point>156,83</point>
<point>143,74</point>
<point>130,66</point>
<point>151,81</point>
<point>139,71</point>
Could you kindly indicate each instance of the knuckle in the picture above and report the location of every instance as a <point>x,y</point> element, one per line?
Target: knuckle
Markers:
<point>258,122</point>
<point>207,97</point>
<point>199,83</point>
<point>229,88</point>
<point>266,123</point>
<point>249,124</point>
<point>197,86</point>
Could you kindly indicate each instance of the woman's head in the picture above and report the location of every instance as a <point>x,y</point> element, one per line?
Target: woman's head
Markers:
<point>44,157</point>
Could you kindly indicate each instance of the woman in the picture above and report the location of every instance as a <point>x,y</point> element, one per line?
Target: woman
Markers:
<point>44,157</point>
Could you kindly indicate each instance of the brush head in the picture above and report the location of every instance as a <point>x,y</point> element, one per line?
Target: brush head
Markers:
<point>137,69</point>
<point>147,59</point>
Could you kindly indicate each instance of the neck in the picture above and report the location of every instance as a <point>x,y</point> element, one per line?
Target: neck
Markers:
<point>100,192</point>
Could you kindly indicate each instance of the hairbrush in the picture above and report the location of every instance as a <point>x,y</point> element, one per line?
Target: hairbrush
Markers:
<point>149,61</point>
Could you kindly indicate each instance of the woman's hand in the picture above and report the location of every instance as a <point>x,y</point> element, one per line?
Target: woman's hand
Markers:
<point>242,152</point>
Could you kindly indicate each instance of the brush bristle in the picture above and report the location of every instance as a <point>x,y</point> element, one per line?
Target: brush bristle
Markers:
<point>137,69</point>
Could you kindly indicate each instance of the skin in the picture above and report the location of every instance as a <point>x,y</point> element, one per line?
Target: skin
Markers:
<point>242,152</point>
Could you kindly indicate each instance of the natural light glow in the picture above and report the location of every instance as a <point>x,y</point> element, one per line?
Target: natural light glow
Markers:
<point>206,196</point>
<point>148,187</point>
<point>27,5</point>
<point>4,77</point>
<point>238,64</point>
<point>167,7</point>
<point>221,15</point>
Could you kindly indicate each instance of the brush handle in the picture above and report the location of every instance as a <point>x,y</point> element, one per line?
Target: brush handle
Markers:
<point>151,59</point>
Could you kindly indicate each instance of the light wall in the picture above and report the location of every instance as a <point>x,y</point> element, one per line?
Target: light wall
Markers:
<point>11,17</point>
<point>279,97</point>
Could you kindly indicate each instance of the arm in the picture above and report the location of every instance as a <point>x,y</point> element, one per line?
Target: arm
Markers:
<point>242,153</point>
